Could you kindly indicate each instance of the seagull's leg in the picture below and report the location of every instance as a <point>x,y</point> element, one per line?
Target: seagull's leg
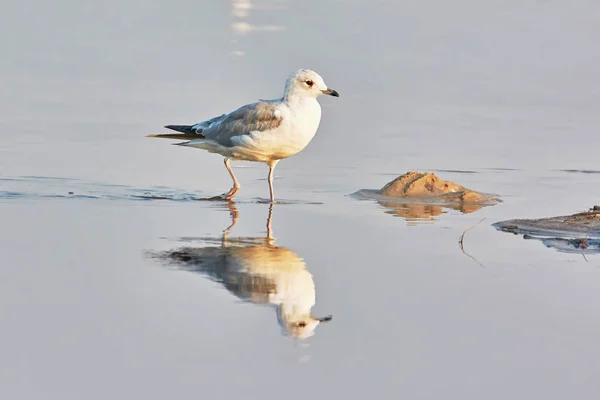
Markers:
<point>272,165</point>
<point>236,186</point>
<point>233,212</point>
<point>270,239</point>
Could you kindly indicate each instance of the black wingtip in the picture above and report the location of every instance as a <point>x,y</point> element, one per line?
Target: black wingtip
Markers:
<point>181,128</point>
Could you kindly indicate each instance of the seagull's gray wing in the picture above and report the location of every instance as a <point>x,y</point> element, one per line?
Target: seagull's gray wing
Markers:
<point>200,126</point>
<point>256,117</point>
<point>260,116</point>
<point>222,264</point>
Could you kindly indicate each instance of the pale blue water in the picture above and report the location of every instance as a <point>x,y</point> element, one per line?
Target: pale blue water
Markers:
<point>501,97</point>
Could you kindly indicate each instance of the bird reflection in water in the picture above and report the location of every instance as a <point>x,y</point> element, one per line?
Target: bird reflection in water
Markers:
<point>258,271</point>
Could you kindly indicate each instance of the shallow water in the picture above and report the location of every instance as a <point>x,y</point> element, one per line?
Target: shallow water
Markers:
<point>501,97</point>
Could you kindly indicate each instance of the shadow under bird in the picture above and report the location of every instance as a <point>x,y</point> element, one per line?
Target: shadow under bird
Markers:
<point>266,131</point>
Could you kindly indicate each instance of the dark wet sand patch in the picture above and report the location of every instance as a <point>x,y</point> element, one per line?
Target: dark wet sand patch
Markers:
<point>456,171</point>
<point>38,187</point>
<point>581,171</point>
<point>579,225</point>
<point>579,232</point>
<point>184,197</point>
<point>501,169</point>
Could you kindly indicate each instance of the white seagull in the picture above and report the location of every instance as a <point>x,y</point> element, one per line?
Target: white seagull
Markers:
<point>266,131</point>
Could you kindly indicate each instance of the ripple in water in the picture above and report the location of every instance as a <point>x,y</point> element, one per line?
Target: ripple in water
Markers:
<point>40,187</point>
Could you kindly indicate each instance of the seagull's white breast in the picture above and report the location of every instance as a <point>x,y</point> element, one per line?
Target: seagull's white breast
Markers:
<point>305,119</point>
<point>300,121</point>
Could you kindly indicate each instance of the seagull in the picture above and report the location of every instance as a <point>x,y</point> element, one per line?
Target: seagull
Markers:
<point>266,131</point>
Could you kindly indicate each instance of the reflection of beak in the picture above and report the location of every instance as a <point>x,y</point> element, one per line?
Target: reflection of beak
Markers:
<point>325,319</point>
<point>331,92</point>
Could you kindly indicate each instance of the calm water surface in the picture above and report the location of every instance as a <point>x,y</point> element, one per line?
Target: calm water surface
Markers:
<point>115,282</point>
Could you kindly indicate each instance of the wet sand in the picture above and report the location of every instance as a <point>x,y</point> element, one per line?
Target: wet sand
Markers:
<point>85,197</point>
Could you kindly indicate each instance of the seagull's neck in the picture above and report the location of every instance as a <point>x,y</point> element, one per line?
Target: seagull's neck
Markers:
<point>292,100</point>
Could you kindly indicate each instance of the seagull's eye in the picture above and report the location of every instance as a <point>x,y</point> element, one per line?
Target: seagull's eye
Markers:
<point>309,82</point>
<point>301,324</point>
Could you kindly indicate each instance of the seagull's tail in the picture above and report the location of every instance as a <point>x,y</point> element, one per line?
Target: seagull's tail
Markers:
<point>187,132</point>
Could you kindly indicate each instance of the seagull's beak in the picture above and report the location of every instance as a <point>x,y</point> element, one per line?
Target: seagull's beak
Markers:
<point>331,92</point>
<point>329,317</point>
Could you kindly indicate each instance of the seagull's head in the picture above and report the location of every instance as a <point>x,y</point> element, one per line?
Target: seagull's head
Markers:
<point>307,83</point>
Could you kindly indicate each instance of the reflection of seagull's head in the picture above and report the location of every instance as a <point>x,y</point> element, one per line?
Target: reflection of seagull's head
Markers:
<point>307,83</point>
<point>291,289</point>
<point>301,327</point>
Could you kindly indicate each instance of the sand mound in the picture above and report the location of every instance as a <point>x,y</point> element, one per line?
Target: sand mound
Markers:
<point>417,196</point>
<point>414,184</point>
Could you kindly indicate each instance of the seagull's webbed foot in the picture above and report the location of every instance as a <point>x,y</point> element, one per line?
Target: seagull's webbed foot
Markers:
<point>229,195</point>
<point>225,196</point>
